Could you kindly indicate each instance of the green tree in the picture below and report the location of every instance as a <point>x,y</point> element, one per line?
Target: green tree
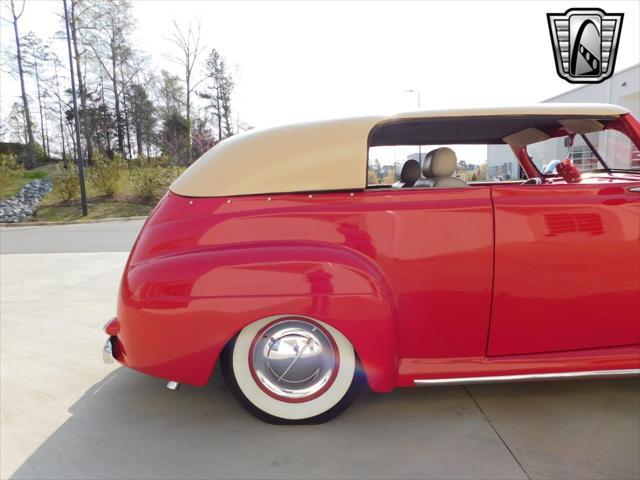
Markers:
<point>173,138</point>
<point>142,117</point>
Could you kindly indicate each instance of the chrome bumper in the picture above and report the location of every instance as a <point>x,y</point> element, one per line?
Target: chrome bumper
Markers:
<point>107,352</point>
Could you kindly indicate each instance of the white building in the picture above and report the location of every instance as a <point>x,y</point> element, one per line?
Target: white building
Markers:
<point>623,88</point>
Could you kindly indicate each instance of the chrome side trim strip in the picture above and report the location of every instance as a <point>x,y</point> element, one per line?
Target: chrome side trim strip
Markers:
<point>526,377</point>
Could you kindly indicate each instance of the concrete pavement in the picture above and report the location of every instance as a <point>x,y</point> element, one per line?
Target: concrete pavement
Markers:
<point>64,414</point>
<point>73,238</point>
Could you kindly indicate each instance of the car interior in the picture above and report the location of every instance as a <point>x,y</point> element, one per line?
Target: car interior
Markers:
<point>525,137</point>
<point>437,170</point>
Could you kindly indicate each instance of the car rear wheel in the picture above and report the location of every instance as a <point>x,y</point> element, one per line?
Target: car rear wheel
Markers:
<point>292,370</point>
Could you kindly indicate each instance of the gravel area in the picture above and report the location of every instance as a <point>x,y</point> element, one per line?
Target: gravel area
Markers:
<point>20,207</point>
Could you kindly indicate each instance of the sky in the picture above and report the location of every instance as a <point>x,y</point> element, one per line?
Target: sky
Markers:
<point>298,61</point>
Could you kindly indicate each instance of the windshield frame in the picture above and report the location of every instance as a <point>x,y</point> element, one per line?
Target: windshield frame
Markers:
<point>626,125</point>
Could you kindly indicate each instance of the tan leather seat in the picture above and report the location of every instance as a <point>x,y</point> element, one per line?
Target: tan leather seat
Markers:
<point>408,174</point>
<point>437,168</point>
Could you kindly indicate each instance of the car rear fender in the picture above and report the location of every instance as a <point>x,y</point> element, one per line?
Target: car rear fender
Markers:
<point>199,300</point>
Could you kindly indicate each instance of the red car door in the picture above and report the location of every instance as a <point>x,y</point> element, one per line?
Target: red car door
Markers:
<point>567,268</point>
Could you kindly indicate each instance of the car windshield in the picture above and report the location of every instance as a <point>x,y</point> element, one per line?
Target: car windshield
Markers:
<point>608,150</point>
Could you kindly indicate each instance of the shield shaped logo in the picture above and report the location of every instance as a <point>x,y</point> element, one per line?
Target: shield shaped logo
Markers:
<point>585,43</point>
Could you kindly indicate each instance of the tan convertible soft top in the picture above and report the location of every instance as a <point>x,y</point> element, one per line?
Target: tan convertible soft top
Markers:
<point>324,155</point>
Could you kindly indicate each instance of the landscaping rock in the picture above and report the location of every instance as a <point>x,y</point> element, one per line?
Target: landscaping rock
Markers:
<point>20,207</point>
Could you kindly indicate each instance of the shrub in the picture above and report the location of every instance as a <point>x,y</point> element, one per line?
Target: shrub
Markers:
<point>10,170</point>
<point>150,177</point>
<point>66,184</point>
<point>147,181</point>
<point>106,174</point>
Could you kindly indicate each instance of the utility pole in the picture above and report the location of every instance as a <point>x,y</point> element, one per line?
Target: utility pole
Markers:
<point>83,192</point>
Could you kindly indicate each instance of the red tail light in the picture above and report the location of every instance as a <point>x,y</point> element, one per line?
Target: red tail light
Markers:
<point>112,327</point>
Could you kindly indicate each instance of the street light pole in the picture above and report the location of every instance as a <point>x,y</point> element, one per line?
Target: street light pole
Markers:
<point>417,92</point>
<point>83,192</point>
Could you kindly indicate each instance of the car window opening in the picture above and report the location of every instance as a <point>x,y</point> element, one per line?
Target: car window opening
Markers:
<point>461,152</point>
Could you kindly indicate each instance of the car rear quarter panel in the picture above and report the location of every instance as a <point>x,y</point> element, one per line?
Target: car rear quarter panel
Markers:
<point>180,310</point>
<point>400,274</point>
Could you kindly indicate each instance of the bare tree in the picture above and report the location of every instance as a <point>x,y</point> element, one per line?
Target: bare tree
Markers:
<point>14,124</point>
<point>169,94</point>
<point>57,64</point>
<point>129,77</point>
<point>75,25</point>
<point>219,88</point>
<point>30,160</point>
<point>189,47</point>
<point>108,24</point>
<point>125,101</point>
<point>36,56</point>
<point>123,104</point>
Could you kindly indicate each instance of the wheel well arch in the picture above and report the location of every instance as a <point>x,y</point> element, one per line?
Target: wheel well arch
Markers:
<point>376,373</point>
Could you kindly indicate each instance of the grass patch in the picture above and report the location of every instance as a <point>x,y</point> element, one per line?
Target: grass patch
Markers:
<point>15,184</point>
<point>98,208</point>
<point>12,187</point>
<point>126,203</point>
<point>35,174</point>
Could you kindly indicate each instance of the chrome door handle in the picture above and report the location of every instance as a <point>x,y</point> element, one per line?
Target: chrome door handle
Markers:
<point>634,189</point>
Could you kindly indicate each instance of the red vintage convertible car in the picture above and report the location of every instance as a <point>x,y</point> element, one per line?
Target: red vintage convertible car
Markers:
<point>312,258</point>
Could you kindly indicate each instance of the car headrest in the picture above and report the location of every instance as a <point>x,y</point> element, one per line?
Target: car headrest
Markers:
<point>409,172</point>
<point>441,162</point>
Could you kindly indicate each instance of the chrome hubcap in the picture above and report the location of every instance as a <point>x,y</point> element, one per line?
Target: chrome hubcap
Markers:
<point>294,360</point>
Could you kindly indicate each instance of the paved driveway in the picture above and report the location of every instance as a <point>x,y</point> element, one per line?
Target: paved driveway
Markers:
<point>73,238</point>
<point>64,414</point>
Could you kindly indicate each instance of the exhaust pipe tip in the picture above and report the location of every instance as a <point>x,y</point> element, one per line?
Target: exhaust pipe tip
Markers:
<point>171,385</point>
<point>107,352</point>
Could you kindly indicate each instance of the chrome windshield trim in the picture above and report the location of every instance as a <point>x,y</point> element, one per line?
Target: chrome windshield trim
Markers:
<point>526,377</point>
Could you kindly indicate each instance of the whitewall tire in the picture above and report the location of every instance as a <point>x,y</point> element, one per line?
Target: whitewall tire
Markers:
<point>292,369</point>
